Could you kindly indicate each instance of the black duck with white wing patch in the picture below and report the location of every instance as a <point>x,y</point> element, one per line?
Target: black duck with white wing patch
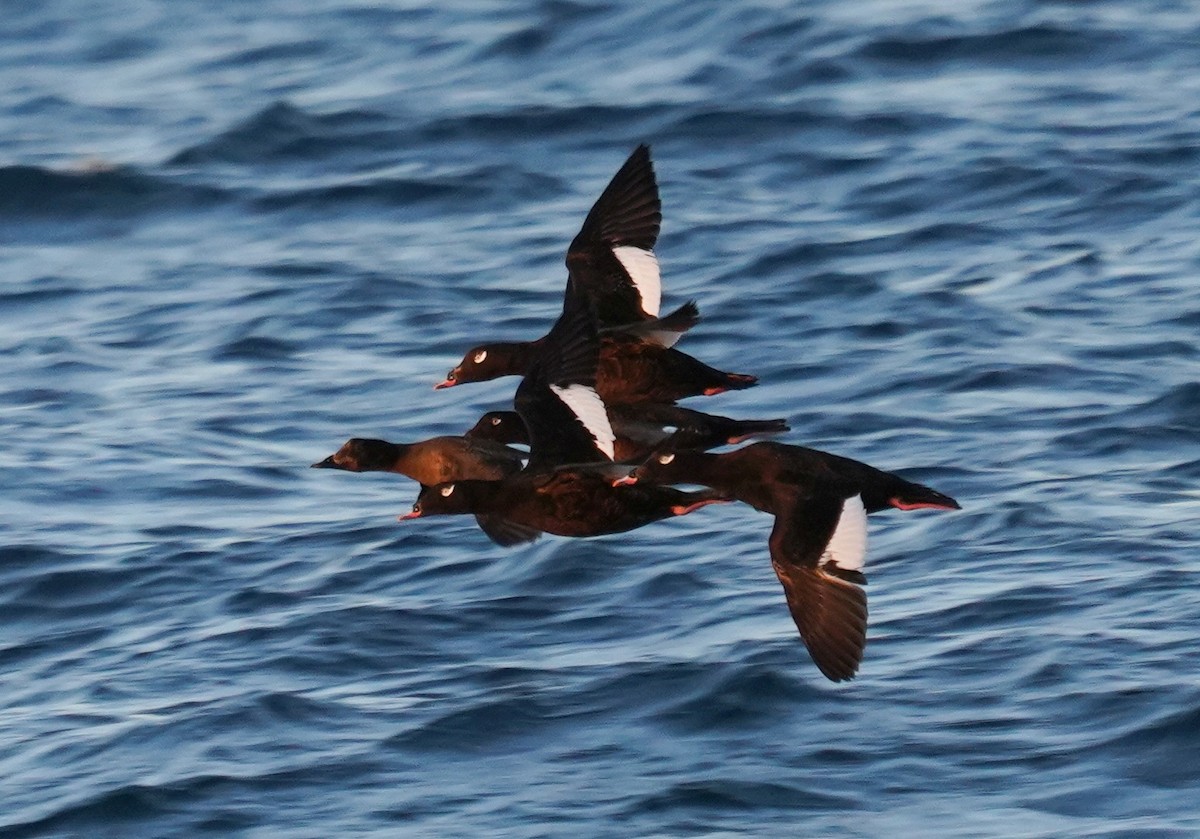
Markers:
<point>572,501</point>
<point>820,502</point>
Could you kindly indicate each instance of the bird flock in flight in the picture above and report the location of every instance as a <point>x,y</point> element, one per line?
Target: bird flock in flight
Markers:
<point>607,442</point>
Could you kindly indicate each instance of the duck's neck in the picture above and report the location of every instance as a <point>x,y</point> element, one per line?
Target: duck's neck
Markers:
<point>704,468</point>
<point>517,355</point>
<point>482,496</point>
<point>722,472</point>
<point>398,459</point>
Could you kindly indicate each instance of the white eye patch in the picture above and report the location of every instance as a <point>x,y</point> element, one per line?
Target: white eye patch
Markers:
<point>447,490</point>
<point>480,357</point>
<point>664,459</point>
<point>496,420</point>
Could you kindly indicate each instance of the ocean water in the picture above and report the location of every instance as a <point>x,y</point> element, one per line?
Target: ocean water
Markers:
<point>960,241</point>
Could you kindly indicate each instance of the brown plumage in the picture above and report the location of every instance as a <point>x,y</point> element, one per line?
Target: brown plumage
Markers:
<point>640,371</point>
<point>428,462</point>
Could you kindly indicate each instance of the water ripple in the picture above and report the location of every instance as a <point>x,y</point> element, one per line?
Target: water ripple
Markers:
<point>957,243</point>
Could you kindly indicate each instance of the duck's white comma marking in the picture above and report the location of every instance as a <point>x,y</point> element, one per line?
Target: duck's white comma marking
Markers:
<point>588,408</point>
<point>447,490</point>
<point>480,357</point>
<point>642,268</point>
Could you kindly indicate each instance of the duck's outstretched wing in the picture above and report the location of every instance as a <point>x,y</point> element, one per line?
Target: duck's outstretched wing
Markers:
<point>504,532</point>
<point>611,260</point>
<point>817,551</point>
<point>566,419</point>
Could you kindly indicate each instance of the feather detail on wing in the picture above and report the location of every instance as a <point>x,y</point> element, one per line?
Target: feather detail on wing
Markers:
<point>588,408</point>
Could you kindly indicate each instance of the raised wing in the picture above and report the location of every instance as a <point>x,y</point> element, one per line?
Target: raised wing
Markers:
<point>611,261</point>
<point>557,399</point>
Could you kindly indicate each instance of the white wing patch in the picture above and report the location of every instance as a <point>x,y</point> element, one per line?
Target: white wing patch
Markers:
<point>642,268</point>
<point>847,547</point>
<point>587,406</point>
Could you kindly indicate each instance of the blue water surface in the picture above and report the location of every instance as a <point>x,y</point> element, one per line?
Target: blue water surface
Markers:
<point>960,241</point>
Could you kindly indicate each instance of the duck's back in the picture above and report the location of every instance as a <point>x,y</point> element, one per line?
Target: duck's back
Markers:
<point>807,468</point>
<point>445,459</point>
<point>633,371</point>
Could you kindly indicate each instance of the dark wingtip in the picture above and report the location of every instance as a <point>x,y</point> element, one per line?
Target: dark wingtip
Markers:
<point>642,151</point>
<point>831,615</point>
<point>838,676</point>
<point>628,211</point>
